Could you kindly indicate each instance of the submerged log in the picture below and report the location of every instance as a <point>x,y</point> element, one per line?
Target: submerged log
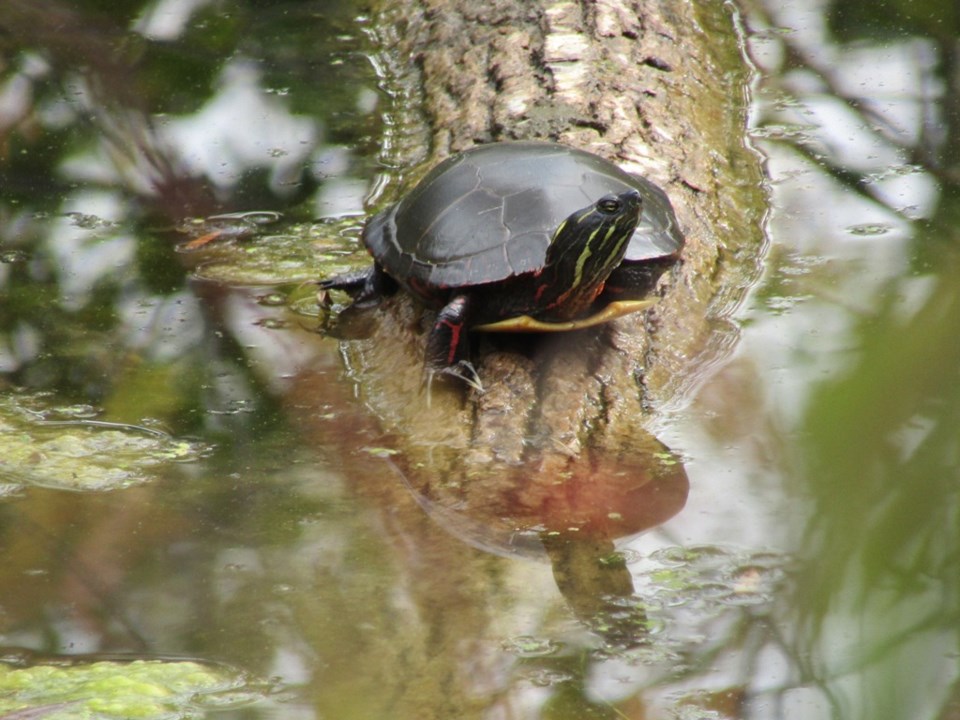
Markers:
<point>658,87</point>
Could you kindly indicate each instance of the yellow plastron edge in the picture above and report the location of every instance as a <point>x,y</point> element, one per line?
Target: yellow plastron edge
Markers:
<point>525,323</point>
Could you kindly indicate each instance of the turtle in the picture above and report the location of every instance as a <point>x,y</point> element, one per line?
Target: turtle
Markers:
<point>517,237</point>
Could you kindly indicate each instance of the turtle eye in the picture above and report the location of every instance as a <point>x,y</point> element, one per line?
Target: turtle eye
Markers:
<point>609,205</point>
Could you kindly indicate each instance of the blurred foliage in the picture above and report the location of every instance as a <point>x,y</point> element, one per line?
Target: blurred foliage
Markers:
<point>887,429</point>
<point>890,19</point>
<point>877,451</point>
<point>880,458</point>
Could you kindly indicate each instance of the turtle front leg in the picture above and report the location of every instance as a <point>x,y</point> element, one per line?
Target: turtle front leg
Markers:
<point>366,287</point>
<point>448,344</point>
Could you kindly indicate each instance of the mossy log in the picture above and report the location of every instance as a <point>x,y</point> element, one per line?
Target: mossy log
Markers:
<point>660,88</point>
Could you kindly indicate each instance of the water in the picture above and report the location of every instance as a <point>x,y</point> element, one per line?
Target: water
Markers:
<point>187,471</point>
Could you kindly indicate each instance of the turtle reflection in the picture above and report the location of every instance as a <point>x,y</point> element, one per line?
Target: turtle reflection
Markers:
<point>572,518</point>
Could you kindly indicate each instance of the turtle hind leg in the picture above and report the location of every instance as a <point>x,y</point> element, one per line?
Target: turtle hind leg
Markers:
<point>366,287</point>
<point>448,344</point>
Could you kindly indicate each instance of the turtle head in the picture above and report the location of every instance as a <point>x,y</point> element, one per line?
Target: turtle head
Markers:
<point>585,249</point>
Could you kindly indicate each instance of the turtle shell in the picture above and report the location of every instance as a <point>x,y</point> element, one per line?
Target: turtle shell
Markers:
<point>489,213</point>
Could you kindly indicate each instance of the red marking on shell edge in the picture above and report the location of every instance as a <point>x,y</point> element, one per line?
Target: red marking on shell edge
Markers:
<point>423,290</point>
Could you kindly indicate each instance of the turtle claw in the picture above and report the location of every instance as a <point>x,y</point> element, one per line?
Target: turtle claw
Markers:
<point>462,370</point>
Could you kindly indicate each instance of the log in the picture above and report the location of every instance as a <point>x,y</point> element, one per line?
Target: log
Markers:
<point>660,88</point>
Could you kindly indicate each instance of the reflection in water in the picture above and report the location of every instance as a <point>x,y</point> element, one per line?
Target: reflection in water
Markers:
<point>571,521</point>
<point>159,120</point>
<point>598,497</point>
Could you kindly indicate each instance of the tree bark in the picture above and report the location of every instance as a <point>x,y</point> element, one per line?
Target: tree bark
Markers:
<point>658,87</point>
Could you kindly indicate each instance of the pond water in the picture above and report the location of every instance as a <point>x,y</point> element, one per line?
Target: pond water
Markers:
<point>186,470</point>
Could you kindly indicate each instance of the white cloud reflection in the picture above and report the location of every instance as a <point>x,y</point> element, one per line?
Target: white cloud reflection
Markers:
<point>241,128</point>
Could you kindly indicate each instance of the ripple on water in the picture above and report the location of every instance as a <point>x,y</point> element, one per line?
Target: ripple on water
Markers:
<point>869,229</point>
<point>528,646</point>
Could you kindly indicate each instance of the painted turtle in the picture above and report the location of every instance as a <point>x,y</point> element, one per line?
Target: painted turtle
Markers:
<point>518,236</point>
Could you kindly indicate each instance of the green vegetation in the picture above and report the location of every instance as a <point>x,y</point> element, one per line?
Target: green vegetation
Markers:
<point>80,453</point>
<point>110,690</point>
